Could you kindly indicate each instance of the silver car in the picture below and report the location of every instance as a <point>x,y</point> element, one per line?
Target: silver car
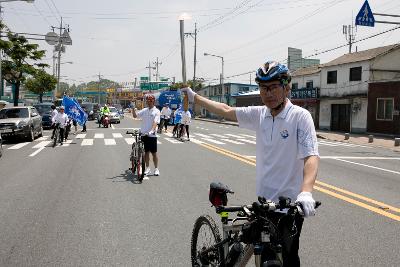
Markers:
<point>114,115</point>
<point>22,122</point>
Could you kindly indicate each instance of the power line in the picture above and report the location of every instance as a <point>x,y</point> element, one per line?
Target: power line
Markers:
<point>56,8</point>
<point>52,12</point>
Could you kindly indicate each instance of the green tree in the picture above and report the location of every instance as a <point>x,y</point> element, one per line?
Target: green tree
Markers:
<point>18,52</point>
<point>178,85</point>
<point>40,83</point>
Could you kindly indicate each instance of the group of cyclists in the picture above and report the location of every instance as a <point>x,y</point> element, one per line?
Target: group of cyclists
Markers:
<point>286,149</point>
<point>64,123</point>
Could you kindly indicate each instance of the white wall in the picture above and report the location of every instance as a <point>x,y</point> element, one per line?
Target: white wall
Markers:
<point>390,61</point>
<point>358,117</point>
<point>302,80</point>
<point>343,86</point>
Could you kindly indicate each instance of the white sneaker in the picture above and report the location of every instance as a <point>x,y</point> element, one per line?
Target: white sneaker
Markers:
<point>156,172</point>
<point>147,171</point>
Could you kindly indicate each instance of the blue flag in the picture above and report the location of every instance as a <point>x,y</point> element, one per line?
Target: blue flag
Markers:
<point>74,110</point>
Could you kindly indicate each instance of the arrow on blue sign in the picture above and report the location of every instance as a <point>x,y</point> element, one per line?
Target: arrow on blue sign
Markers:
<point>365,17</point>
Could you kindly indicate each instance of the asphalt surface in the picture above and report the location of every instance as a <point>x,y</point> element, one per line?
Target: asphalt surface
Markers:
<point>79,205</point>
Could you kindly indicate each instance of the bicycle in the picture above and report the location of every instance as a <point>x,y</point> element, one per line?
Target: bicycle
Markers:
<point>137,155</point>
<point>161,125</point>
<point>251,233</point>
<point>56,135</point>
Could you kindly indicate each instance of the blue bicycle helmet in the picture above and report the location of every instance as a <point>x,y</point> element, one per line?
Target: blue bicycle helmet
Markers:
<point>273,71</point>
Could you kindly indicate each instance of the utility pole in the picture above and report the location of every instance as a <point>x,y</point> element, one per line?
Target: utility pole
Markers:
<point>194,35</point>
<point>98,87</point>
<point>157,63</point>
<point>150,68</point>
<point>348,31</point>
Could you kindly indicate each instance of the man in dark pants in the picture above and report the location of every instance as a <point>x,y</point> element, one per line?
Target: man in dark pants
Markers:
<point>286,150</point>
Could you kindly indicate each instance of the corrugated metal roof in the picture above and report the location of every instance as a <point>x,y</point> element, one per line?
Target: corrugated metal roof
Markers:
<point>306,70</point>
<point>361,55</point>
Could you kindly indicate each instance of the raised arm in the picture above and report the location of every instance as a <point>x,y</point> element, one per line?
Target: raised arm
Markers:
<point>218,108</point>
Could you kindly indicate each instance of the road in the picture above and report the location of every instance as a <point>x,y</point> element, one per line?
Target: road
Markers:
<point>78,204</point>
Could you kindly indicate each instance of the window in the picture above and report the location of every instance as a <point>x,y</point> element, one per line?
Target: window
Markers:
<point>295,86</point>
<point>227,90</point>
<point>309,84</point>
<point>244,89</point>
<point>220,91</point>
<point>215,91</point>
<point>384,110</point>
<point>332,77</point>
<point>355,74</point>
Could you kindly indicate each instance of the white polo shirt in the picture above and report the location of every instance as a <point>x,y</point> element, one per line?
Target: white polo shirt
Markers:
<point>282,144</point>
<point>148,116</point>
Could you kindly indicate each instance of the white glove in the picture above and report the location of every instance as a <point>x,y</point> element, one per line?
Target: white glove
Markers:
<point>190,93</point>
<point>151,132</point>
<point>308,203</point>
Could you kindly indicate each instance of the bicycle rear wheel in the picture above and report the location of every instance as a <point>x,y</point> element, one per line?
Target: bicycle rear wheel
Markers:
<point>204,236</point>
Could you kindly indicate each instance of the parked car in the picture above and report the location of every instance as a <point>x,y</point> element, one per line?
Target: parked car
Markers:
<point>22,122</point>
<point>114,115</point>
<point>1,146</point>
<point>90,109</point>
<point>45,110</point>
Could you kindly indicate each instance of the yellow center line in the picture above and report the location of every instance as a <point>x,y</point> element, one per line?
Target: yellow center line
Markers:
<point>380,204</point>
<point>380,210</point>
<point>358,203</point>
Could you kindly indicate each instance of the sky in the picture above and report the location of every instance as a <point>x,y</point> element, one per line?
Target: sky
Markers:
<point>117,39</point>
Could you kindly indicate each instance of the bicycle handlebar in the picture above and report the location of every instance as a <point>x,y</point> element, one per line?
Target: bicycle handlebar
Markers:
<point>268,206</point>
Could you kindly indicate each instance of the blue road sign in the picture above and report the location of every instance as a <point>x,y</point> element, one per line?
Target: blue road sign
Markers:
<point>365,17</point>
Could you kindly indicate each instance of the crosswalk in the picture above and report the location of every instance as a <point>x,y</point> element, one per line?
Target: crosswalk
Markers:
<point>115,138</point>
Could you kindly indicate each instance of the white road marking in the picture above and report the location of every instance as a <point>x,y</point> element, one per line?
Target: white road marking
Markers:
<point>158,142</point>
<point>112,126</point>
<point>109,142</point>
<point>130,141</point>
<point>42,138</point>
<point>117,135</point>
<point>80,136</point>
<point>247,141</point>
<point>168,134</point>
<point>226,127</point>
<point>217,135</point>
<point>213,141</point>
<point>232,141</point>
<point>369,166</point>
<point>247,135</point>
<point>18,146</point>
<point>202,135</point>
<point>322,142</point>
<point>42,144</point>
<point>346,157</point>
<point>36,152</point>
<point>98,135</point>
<point>173,140</point>
<point>233,135</point>
<point>67,143</point>
<point>87,142</point>
<point>196,141</point>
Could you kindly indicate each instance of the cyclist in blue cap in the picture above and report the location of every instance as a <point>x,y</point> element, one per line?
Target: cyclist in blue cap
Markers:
<point>287,155</point>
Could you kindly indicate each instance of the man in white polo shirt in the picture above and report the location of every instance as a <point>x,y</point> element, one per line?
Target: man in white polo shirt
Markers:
<point>286,151</point>
<point>150,118</point>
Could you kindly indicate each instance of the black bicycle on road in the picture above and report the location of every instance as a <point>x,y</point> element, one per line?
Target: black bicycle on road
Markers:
<point>137,155</point>
<point>250,233</point>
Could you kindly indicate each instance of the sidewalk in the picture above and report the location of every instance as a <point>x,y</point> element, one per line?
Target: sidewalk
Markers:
<point>359,139</point>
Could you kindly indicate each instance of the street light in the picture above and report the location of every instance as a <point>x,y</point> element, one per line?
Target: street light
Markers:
<point>222,74</point>
<point>1,77</point>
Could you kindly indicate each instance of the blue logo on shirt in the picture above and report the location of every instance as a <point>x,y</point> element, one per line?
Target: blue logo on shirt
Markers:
<point>285,134</point>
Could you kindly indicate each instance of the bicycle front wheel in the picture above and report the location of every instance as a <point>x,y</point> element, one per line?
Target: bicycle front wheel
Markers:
<point>204,237</point>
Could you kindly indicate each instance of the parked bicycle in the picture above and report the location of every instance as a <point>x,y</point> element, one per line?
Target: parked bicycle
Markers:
<point>137,155</point>
<point>56,136</point>
<point>251,232</point>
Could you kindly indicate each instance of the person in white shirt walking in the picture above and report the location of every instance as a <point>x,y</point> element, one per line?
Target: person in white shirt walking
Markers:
<point>165,116</point>
<point>150,118</point>
<point>54,112</point>
<point>61,119</point>
<point>185,122</point>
